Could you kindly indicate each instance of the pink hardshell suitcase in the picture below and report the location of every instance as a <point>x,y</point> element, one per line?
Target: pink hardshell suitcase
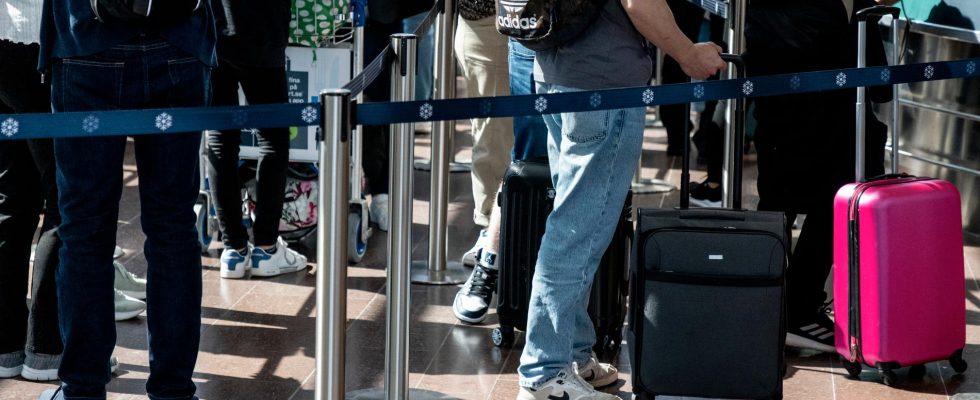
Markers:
<point>898,266</point>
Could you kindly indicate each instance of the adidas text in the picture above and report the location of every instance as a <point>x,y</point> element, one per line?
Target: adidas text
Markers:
<point>516,22</point>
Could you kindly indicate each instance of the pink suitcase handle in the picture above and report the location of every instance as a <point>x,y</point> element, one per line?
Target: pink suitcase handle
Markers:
<point>863,16</point>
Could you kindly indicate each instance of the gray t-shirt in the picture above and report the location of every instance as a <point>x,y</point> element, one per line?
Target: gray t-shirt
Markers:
<point>609,54</point>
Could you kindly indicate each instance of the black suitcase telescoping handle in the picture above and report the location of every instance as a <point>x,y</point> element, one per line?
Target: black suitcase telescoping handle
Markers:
<point>738,120</point>
<point>862,54</point>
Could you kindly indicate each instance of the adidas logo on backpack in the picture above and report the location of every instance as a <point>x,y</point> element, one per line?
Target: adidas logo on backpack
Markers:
<point>543,24</point>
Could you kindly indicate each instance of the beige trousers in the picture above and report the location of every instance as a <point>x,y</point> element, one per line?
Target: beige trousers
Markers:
<point>482,56</point>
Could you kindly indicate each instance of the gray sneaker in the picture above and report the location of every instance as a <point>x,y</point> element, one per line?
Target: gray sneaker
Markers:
<point>41,367</point>
<point>128,283</point>
<point>127,307</point>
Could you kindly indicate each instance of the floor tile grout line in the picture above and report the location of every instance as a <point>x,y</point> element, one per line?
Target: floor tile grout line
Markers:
<point>229,308</point>
<point>438,350</point>
<point>501,370</point>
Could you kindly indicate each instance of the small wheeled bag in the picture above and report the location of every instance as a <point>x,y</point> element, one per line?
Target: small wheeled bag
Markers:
<point>898,265</point>
<point>707,312</point>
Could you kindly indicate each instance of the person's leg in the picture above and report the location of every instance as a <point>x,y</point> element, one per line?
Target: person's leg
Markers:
<point>169,183</point>
<point>20,200</point>
<point>223,149</point>
<point>689,19</point>
<point>268,86</point>
<point>19,207</point>
<point>592,156</point>
<point>482,55</point>
<point>43,340</point>
<point>270,256</point>
<point>90,186</point>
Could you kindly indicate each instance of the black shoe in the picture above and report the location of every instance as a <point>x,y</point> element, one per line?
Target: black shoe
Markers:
<point>473,299</point>
<point>703,195</point>
<point>816,333</point>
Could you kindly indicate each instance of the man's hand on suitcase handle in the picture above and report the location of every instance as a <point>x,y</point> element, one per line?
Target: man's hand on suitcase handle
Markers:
<point>702,60</point>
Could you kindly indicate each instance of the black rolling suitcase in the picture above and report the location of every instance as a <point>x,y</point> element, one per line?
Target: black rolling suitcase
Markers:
<point>707,314</point>
<point>525,201</point>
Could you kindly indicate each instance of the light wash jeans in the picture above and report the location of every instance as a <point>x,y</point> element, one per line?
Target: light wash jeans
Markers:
<point>593,156</point>
<point>530,132</point>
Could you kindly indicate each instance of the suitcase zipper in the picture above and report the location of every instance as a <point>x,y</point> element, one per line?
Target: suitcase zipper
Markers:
<point>854,263</point>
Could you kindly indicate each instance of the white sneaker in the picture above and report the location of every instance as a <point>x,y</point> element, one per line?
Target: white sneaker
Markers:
<point>127,307</point>
<point>52,394</point>
<point>282,261</point>
<point>234,264</point>
<point>113,364</point>
<point>128,283</point>
<point>379,211</point>
<point>567,385</point>
<point>596,373</point>
<point>118,252</point>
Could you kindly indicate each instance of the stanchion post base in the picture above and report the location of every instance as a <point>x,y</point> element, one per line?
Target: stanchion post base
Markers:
<point>649,186</point>
<point>426,165</point>
<point>454,273</point>
<point>413,394</point>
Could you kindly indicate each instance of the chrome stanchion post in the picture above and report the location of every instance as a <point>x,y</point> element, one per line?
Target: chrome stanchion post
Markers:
<point>400,233</point>
<point>437,270</point>
<point>331,249</point>
<point>736,43</point>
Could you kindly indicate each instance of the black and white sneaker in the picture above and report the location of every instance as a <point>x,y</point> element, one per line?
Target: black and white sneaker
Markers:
<point>566,386</point>
<point>814,334</point>
<point>473,299</point>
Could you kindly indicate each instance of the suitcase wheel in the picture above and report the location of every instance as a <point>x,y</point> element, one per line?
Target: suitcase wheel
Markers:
<point>957,362</point>
<point>853,368</point>
<point>916,372</point>
<point>502,336</point>
<point>888,376</point>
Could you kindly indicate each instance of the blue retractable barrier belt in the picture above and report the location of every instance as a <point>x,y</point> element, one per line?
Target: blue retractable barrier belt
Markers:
<point>135,122</point>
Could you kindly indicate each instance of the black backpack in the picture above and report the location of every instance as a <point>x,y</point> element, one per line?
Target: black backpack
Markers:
<point>543,24</point>
<point>145,10</point>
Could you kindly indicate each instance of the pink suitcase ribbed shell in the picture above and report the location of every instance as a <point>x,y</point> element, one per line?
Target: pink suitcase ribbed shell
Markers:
<point>911,271</point>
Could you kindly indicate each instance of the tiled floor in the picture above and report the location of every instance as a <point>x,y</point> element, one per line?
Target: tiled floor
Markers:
<point>258,335</point>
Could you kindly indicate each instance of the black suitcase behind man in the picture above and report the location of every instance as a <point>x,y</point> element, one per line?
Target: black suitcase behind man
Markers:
<point>707,314</point>
<point>525,201</point>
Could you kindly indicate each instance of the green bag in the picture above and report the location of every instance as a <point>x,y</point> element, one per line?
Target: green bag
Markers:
<point>314,22</point>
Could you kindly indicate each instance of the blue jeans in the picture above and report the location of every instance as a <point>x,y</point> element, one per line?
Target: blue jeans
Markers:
<point>592,157</point>
<point>530,138</point>
<point>145,72</point>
